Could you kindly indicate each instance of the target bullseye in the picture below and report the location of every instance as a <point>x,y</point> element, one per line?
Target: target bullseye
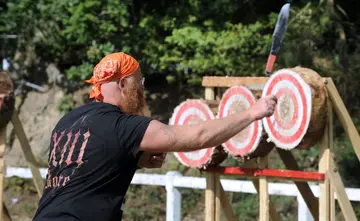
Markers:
<point>192,112</point>
<point>235,100</point>
<point>289,123</point>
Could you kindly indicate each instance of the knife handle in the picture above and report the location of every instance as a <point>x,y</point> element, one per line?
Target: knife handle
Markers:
<point>270,64</point>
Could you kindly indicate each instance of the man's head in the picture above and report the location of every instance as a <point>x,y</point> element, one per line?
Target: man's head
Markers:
<point>118,80</point>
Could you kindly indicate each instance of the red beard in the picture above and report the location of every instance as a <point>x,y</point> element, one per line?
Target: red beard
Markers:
<point>135,102</point>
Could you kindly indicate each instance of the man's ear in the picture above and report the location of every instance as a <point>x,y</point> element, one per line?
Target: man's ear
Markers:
<point>122,83</point>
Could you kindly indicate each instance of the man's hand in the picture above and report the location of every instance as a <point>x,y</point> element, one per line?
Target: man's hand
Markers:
<point>151,160</point>
<point>264,107</point>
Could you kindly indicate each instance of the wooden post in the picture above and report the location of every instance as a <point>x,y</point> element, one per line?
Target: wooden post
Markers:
<point>311,201</point>
<point>344,202</point>
<point>226,206</point>
<point>331,147</point>
<point>217,197</point>
<point>29,156</point>
<point>264,193</point>
<point>324,167</point>
<point>210,197</point>
<point>344,116</point>
<point>210,192</point>
<point>2,165</point>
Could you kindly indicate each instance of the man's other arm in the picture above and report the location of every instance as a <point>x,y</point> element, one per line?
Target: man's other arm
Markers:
<point>160,137</point>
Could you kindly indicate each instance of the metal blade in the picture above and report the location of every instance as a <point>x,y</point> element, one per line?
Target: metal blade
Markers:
<point>278,36</point>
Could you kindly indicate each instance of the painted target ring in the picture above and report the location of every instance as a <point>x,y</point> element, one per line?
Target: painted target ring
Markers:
<point>187,113</point>
<point>235,100</point>
<point>291,118</point>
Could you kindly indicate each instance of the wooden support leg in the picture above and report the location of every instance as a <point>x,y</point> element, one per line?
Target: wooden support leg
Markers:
<point>273,213</point>
<point>210,191</point>
<point>2,164</point>
<point>332,202</point>
<point>344,116</point>
<point>29,156</point>
<point>217,197</point>
<point>342,197</point>
<point>226,206</point>
<point>264,195</point>
<point>324,167</point>
<point>311,201</point>
<point>210,197</point>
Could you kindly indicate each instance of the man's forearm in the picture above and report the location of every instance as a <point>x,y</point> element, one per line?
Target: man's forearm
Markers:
<point>210,133</point>
<point>218,131</point>
<point>183,138</point>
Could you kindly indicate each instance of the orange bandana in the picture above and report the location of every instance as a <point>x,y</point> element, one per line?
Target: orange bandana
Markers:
<point>110,68</point>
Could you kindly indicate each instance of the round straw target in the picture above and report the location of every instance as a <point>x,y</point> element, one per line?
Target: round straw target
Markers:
<point>289,123</point>
<point>192,112</point>
<point>235,100</point>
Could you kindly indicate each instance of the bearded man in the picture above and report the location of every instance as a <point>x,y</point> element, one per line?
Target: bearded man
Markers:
<point>96,148</point>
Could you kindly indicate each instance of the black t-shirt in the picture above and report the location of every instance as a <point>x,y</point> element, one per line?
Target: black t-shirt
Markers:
<point>92,160</point>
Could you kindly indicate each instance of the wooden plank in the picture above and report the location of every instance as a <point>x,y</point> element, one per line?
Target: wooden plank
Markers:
<point>253,83</point>
<point>264,210</point>
<point>226,206</point>
<point>217,198</point>
<point>344,202</point>
<point>210,191</point>
<point>344,116</point>
<point>311,201</point>
<point>274,216</point>
<point>331,147</point>
<point>277,174</point>
<point>332,203</point>
<point>2,164</point>
<point>29,156</point>
<point>324,166</point>
<point>210,197</point>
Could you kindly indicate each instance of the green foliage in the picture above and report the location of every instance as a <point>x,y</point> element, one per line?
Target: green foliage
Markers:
<point>225,52</point>
<point>66,104</point>
<point>183,40</point>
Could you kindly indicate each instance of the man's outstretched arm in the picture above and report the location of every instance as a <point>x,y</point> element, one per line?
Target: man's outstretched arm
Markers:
<point>160,137</point>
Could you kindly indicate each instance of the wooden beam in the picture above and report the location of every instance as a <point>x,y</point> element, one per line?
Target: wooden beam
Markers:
<point>331,147</point>
<point>210,197</point>
<point>210,192</point>
<point>29,156</point>
<point>217,198</point>
<point>324,166</point>
<point>311,201</point>
<point>2,165</point>
<point>253,83</point>
<point>226,205</point>
<point>264,210</point>
<point>274,216</point>
<point>341,195</point>
<point>344,116</point>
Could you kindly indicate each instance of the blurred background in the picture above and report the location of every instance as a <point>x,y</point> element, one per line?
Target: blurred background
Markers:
<point>50,47</point>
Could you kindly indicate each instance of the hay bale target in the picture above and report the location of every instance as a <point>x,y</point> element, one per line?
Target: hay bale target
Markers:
<point>192,112</point>
<point>250,142</point>
<point>7,99</point>
<point>300,116</point>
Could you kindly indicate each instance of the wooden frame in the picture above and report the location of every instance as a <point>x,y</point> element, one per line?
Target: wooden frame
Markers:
<point>329,179</point>
<point>29,156</point>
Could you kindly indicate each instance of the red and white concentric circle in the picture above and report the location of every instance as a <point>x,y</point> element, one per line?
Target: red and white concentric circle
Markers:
<point>235,100</point>
<point>192,112</point>
<point>290,121</point>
